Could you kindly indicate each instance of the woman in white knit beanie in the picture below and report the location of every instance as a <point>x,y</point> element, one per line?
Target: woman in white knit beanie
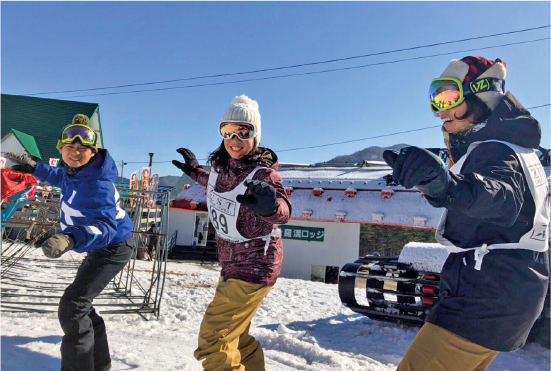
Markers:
<point>246,201</point>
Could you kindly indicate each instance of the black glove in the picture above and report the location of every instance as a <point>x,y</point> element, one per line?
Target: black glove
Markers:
<point>191,161</point>
<point>414,166</point>
<point>24,163</point>
<point>57,245</point>
<point>262,200</point>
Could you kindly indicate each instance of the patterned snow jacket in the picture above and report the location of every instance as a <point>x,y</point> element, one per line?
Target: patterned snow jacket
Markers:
<point>89,204</point>
<point>247,261</point>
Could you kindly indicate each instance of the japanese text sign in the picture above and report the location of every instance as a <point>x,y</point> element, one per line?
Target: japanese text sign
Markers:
<point>293,232</point>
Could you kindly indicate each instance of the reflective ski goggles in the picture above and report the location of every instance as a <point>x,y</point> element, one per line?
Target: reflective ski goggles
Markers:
<point>83,133</point>
<point>242,131</point>
<point>445,93</point>
<point>448,92</point>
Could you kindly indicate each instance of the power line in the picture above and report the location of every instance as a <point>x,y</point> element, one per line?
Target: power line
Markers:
<point>543,105</point>
<point>377,136</point>
<point>357,140</point>
<point>305,73</point>
<point>296,65</point>
<point>336,143</point>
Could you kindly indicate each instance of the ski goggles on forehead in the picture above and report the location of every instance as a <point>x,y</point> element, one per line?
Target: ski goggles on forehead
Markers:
<point>242,131</point>
<point>83,133</point>
<point>448,92</point>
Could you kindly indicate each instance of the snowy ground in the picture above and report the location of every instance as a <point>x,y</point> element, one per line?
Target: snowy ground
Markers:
<point>301,325</point>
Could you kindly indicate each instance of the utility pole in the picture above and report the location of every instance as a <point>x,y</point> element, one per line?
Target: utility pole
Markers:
<point>122,170</point>
<point>150,158</point>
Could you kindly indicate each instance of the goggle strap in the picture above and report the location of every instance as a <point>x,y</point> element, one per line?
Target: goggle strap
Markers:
<point>482,85</point>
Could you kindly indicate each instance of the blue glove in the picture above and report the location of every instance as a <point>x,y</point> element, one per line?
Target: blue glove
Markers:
<point>417,167</point>
<point>262,200</point>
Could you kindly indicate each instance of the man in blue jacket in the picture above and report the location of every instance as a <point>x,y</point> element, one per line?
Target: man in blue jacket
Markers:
<point>93,222</point>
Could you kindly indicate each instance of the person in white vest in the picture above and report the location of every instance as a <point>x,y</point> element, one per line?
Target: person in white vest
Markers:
<point>246,201</point>
<point>495,224</point>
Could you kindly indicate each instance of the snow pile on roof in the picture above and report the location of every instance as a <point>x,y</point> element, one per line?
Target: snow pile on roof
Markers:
<point>427,257</point>
<point>359,193</point>
<point>195,193</point>
<point>336,178</point>
<point>343,173</point>
<point>366,207</point>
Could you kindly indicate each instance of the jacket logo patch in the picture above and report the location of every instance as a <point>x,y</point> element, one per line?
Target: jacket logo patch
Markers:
<point>480,126</point>
<point>540,234</point>
<point>538,174</point>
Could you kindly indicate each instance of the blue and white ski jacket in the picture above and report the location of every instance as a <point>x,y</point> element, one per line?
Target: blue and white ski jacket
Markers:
<point>89,203</point>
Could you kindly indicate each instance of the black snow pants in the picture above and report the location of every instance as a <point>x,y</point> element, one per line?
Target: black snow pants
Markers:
<point>84,346</point>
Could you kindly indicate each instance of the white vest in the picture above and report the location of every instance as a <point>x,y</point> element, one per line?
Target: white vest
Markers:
<point>224,209</point>
<point>535,239</point>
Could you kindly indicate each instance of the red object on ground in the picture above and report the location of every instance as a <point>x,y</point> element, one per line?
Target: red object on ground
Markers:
<point>13,182</point>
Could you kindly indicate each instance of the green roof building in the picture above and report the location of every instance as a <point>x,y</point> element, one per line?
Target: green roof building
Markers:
<point>34,124</point>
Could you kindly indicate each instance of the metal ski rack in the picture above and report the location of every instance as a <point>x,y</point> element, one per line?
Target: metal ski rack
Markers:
<point>132,291</point>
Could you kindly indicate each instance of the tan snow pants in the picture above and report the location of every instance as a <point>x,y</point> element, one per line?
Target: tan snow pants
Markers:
<point>224,338</point>
<point>437,349</point>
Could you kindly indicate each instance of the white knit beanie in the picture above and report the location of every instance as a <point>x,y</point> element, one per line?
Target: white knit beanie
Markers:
<point>244,109</point>
<point>468,69</point>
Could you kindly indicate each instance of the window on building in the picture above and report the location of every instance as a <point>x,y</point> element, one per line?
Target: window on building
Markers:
<point>317,273</point>
<point>324,273</point>
<point>332,275</point>
<point>201,229</point>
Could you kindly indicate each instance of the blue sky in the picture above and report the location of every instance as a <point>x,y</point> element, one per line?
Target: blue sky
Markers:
<point>59,46</point>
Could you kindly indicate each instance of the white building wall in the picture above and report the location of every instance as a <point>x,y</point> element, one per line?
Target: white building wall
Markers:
<point>341,245</point>
<point>94,125</point>
<point>184,222</point>
<point>10,143</point>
